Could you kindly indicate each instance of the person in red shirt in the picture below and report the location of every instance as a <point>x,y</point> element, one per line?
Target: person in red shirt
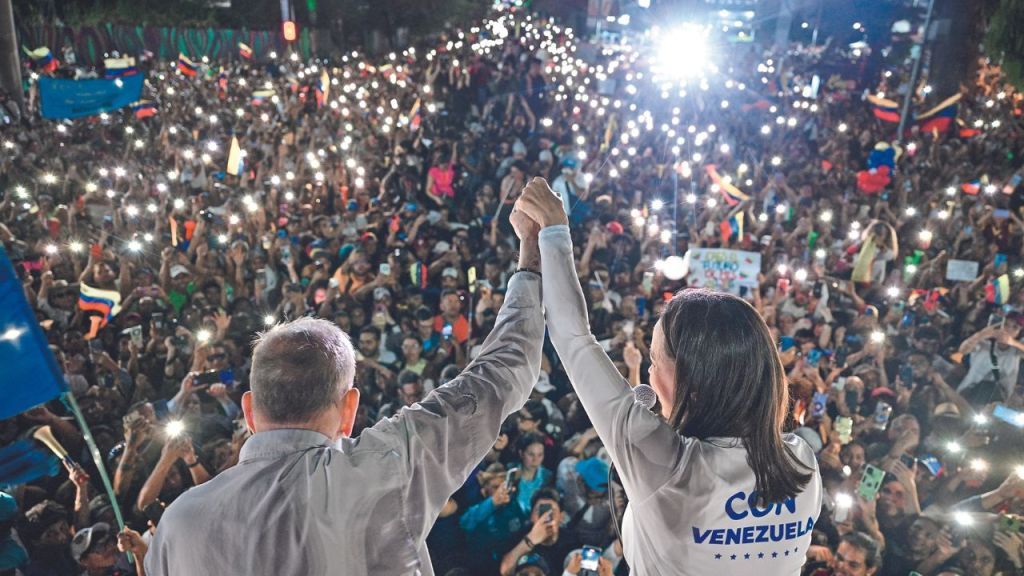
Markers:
<point>451,315</point>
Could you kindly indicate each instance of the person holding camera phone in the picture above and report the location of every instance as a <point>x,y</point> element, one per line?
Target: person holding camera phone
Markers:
<point>305,498</point>
<point>713,483</point>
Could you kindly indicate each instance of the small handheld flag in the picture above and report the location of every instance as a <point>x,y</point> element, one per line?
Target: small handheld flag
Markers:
<point>733,195</point>
<point>972,187</point>
<point>42,59</point>
<point>236,163</point>
<point>143,109</point>
<point>414,116</point>
<point>323,88</point>
<point>106,302</point>
<point>998,290</point>
<point>244,50</point>
<point>186,66</point>
<point>259,96</point>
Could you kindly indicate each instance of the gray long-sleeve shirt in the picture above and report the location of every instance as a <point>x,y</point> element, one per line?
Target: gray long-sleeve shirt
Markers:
<point>690,511</point>
<point>295,504</point>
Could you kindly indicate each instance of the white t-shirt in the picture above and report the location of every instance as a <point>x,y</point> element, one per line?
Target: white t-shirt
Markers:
<point>1007,360</point>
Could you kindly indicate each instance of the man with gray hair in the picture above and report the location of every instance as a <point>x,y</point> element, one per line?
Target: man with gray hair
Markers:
<point>305,498</point>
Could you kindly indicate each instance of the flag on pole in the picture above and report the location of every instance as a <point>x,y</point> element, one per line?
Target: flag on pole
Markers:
<point>414,116</point>
<point>42,59</point>
<point>24,461</point>
<point>941,117</point>
<point>186,66</point>
<point>236,163</point>
<point>733,195</point>
<point>998,290</point>
<point>244,50</point>
<point>31,376</point>
<point>884,109</point>
<point>118,67</point>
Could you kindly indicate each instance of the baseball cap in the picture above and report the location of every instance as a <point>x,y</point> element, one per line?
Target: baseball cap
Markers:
<point>535,560</point>
<point>381,292</point>
<point>87,539</point>
<point>178,270</point>
<point>450,272</point>
<point>594,473</point>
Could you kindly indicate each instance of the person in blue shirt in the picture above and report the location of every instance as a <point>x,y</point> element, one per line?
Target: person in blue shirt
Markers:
<point>491,523</point>
<point>532,476</point>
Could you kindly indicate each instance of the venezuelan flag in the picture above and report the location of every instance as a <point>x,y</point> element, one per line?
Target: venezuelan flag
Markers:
<point>118,67</point>
<point>998,290</point>
<point>966,131</point>
<point>143,109</point>
<point>42,59</point>
<point>236,162</point>
<point>884,109</point>
<point>106,302</point>
<point>244,50</point>
<point>733,195</point>
<point>940,117</point>
<point>186,66</point>
<point>732,228</point>
<point>260,95</point>
<point>414,116</point>
<point>972,187</point>
<point>323,88</point>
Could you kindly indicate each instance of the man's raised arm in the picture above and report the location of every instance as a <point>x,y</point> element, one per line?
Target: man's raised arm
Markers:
<point>451,430</point>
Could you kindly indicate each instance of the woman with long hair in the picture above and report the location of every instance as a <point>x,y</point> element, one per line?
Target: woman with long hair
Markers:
<point>714,484</point>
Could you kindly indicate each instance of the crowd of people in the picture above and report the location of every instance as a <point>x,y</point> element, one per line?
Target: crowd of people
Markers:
<point>376,194</point>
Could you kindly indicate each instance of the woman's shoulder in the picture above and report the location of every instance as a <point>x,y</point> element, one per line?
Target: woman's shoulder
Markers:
<point>801,449</point>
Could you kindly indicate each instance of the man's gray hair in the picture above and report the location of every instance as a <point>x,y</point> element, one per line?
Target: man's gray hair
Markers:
<point>300,369</point>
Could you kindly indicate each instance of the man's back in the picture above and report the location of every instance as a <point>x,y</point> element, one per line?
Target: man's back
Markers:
<point>296,505</point>
<point>315,507</point>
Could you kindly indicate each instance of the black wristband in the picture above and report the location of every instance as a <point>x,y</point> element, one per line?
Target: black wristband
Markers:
<point>525,269</point>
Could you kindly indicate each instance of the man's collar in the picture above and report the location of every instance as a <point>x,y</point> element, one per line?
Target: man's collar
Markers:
<point>281,441</point>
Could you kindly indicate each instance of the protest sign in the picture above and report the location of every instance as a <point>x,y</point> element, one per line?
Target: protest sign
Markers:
<point>961,270</point>
<point>723,270</point>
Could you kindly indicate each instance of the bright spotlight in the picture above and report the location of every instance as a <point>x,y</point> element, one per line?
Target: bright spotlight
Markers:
<point>683,52</point>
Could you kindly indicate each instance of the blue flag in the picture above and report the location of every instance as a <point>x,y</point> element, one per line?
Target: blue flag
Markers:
<point>63,98</point>
<point>30,374</point>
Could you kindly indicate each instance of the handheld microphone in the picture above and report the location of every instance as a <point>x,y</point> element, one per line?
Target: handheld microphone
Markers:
<point>645,396</point>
